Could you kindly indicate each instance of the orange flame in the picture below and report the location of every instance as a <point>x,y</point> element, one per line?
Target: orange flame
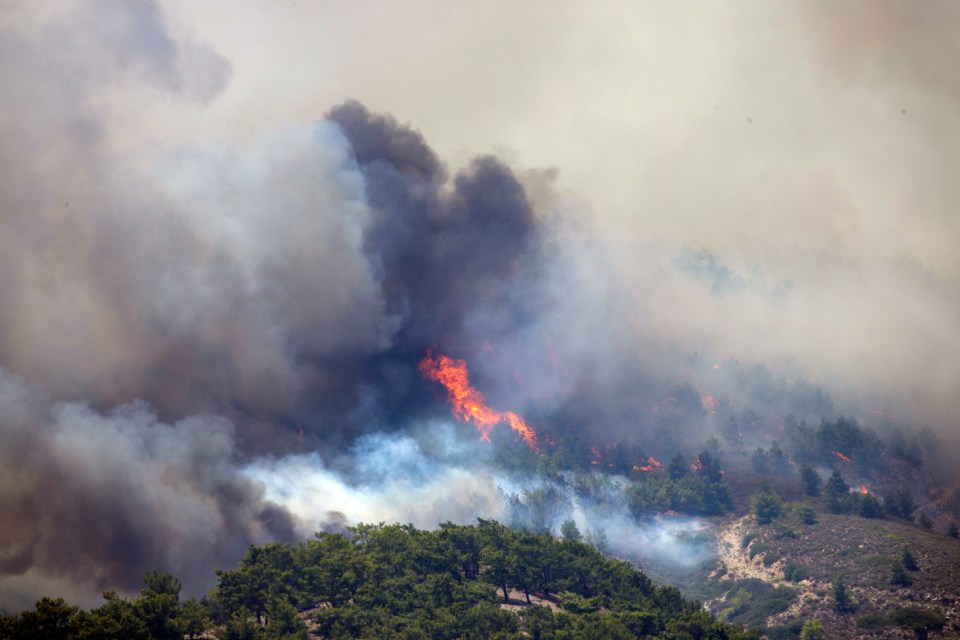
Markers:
<point>842,457</point>
<point>466,402</point>
<point>863,489</point>
<point>652,463</point>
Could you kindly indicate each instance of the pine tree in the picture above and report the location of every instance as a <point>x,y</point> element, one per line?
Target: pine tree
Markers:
<point>841,600</point>
<point>811,630</point>
<point>898,575</point>
<point>809,480</point>
<point>836,490</point>
<point>569,531</point>
<point>766,505</point>
<point>909,562</point>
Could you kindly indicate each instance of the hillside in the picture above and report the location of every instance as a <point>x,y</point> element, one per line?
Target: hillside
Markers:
<point>748,583</point>
<point>385,582</point>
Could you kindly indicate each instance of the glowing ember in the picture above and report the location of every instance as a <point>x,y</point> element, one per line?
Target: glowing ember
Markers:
<point>652,463</point>
<point>709,403</point>
<point>466,402</point>
<point>842,457</point>
<point>698,465</point>
<point>596,455</point>
<point>863,489</point>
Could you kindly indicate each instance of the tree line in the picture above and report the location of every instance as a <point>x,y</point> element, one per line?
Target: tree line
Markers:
<point>395,581</point>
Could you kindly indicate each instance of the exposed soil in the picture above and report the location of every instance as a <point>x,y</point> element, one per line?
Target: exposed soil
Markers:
<point>861,552</point>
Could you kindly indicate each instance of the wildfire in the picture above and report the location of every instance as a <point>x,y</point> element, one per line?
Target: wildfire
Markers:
<point>842,457</point>
<point>709,403</point>
<point>863,489</point>
<point>652,463</point>
<point>466,402</point>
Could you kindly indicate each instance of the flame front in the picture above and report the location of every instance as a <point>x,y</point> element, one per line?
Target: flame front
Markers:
<point>652,463</point>
<point>841,456</point>
<point>466,402</point>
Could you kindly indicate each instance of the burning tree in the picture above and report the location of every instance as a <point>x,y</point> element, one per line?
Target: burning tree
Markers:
<point>467,403</point>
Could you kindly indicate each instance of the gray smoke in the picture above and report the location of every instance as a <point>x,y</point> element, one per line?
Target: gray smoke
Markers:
<point>94,500</point>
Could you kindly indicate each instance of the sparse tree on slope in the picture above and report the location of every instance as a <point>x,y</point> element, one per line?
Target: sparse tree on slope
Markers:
<point>841,600</point>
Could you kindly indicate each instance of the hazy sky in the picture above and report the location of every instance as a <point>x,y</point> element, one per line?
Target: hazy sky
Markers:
<point>813,126</point>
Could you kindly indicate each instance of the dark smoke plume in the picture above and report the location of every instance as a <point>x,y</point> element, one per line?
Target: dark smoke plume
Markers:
<point>163,320</point>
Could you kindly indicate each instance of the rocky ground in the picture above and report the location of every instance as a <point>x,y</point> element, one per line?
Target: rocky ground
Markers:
<point>749,575</point>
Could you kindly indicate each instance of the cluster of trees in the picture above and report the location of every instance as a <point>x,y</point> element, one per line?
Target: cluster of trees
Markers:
<point>395,581</point>
<point>156,614</point>
<point>695,489</point>
<point>837,497</point>
<point>770,461</point>
<point>820,445</point>
<point>679,486</point>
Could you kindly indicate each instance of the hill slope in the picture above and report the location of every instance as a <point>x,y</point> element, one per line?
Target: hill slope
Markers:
<point>749,583</point>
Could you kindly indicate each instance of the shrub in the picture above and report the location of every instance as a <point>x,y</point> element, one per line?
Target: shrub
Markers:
<point>766,505</point>
<point>747,539</point>
<point>769,559</point>
<point>758,548</point>
<point>919,620</point>
<point>812,630</point>
<point>909,562</point>
<point>871,621</point>
<point>795,571</point>
<point>805,513</point>
<point>754,601</point>
<point>898,575</point>
<point>788,631</point>
<point>786,532</point>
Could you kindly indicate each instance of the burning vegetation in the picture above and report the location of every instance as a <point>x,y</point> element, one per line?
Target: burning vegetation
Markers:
<point>467,403</point>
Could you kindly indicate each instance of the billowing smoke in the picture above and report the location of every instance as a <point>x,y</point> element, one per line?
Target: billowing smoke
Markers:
<point>215,344</point>
<point>168,315</point>
<point>94,500</point>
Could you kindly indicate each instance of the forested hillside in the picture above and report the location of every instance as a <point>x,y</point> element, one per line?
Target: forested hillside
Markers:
<point>395,581</point>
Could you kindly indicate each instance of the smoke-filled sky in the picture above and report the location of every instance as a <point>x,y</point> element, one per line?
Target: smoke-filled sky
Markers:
<point>225,225</point>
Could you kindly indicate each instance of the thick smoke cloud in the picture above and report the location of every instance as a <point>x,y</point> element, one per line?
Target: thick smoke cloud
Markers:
<point>94,500</point>
<point>450,257</point>
<point>167,315</point>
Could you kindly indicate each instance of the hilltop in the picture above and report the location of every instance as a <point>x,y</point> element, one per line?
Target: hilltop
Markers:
<point>395,581</point>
